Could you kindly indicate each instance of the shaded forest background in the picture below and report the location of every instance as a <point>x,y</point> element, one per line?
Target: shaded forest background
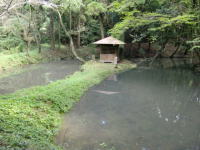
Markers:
<point>151,28</point>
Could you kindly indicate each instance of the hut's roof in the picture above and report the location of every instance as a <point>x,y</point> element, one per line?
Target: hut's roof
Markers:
<point>109,41</point>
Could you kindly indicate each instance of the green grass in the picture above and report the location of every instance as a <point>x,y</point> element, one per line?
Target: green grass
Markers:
<point>8,61</point>
<point>11,64</point>
<point>30,119</point>
<point>11,61</point>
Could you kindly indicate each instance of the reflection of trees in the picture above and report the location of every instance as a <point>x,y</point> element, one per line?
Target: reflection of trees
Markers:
<point>169,63</point>
<point>169,98</point>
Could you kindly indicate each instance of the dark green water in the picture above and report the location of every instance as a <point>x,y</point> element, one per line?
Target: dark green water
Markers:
<point>142,109</point>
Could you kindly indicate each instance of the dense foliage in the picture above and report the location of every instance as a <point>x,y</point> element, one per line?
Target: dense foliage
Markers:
<point>158,21</point>
<point>80,22</point>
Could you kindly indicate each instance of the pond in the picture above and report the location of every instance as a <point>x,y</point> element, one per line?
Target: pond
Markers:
<point>141,109</point>
<point>38,74</point>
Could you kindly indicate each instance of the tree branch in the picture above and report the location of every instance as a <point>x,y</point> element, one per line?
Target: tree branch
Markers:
<point>53,7</point>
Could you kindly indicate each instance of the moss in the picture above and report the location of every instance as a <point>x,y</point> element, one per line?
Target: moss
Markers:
<point>29,119</point>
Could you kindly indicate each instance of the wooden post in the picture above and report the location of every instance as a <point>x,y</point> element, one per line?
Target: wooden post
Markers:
<point>115,62</point>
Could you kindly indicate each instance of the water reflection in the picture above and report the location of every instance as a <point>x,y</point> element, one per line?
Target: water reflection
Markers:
<point>39,74</point>
<point>106,92</point>
<point>156,109</point>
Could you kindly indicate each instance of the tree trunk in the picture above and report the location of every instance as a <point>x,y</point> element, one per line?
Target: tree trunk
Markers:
<point>52,32</point>
<point>39,48</point>
<point>177,49</point>
<point>72,48</point>
<point>159,52</point>
<point>79,33</point>
<point>59,37</point>
<point>70,20</point>
<point>28,48</point>
<point>149,49</point>
<point>38,41</point>
<point>194,3</point>
<point>101,26</point>
<point>37,38</point>
<point>70,38</point>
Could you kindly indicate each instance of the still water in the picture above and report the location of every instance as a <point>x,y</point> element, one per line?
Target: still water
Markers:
<point>39,74</point>
<point>141,109</point>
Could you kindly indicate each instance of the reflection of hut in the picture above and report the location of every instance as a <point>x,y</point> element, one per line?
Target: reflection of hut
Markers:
<point>109,49</point>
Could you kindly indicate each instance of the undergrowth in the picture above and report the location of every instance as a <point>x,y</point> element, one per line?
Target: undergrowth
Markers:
<point>30,118</point>
<point>9,60</point>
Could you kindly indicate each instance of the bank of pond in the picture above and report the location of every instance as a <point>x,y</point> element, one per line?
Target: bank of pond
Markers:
<point>30,118</point>
<point>151,107</point>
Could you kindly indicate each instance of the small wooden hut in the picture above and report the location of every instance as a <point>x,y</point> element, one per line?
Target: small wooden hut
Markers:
<point>109,49</point>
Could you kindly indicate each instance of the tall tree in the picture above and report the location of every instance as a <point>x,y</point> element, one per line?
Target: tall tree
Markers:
<point>98,10</point>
